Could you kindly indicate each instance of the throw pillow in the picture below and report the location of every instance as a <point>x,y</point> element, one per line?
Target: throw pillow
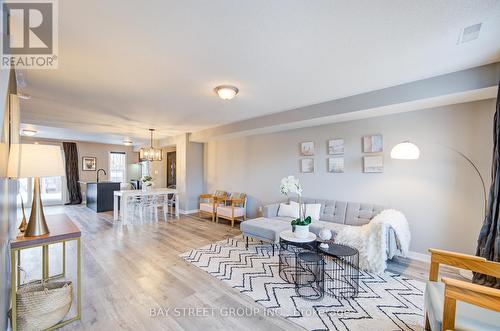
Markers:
<point>291,210</point>
<point>312,209</point>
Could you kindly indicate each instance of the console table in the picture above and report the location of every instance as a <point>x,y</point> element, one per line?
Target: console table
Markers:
<point>62,230</point>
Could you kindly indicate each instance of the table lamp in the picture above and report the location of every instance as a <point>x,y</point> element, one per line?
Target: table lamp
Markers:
<point>33,160</point>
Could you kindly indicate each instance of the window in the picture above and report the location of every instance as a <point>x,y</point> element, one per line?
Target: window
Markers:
<point>117,166</point>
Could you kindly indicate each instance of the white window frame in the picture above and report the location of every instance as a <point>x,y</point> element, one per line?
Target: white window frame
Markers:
<point>124,166</point>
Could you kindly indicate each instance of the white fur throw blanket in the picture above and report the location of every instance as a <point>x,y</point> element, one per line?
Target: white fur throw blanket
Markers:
<point>371,239</point>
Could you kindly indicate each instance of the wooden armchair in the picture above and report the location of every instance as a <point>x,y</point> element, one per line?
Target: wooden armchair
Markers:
<point>234,208</point>
<point>208,203</point>
<point>478,306</point>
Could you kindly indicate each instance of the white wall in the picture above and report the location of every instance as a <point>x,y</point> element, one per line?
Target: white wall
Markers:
<point>440,193</point>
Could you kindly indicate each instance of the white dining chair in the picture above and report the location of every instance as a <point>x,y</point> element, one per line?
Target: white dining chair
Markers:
<point>163,203</point>
<point>133,204</point>
<point>148,204</point>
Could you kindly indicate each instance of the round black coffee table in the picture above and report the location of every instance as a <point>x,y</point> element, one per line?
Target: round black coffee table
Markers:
<point>341,276</point>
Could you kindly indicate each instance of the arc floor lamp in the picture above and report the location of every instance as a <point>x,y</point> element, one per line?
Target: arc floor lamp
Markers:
<point>407,150</point>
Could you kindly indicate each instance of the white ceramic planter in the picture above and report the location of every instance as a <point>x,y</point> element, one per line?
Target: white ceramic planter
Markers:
<point>301,231</point>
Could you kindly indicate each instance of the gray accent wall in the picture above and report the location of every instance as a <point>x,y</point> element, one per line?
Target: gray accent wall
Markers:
<point>440,193</point>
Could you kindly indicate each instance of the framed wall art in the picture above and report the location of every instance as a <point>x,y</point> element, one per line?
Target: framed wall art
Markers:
<point>89,163</point>
<point>336,146</point>
<point>307,148</point>
<point>373,143</point>
<point>336,164</point>
<point>307,165</point>
<point>373,164</point>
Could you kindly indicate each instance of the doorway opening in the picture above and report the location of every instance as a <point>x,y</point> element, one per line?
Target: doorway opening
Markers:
<point>171,168</point>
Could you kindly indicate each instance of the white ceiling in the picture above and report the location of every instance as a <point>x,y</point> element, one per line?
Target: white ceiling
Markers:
<point>126,66</point>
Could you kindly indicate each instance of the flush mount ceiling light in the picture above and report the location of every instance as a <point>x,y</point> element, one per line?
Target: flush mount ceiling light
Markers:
<point>226,92</point>
<point>28,133</point>
<point>150,153</point>
<point>127,142</point>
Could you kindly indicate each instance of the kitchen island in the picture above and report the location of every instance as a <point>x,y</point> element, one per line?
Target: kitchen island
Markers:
<point>100,195</point>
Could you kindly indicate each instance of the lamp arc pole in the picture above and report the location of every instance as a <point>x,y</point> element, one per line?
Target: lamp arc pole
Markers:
<point>474,166</point>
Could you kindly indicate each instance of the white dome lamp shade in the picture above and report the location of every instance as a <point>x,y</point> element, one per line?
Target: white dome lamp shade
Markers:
<point>405,151</point>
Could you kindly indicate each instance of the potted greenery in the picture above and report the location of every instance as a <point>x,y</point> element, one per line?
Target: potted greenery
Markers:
<point>300,226</point>
<point>147,182</point>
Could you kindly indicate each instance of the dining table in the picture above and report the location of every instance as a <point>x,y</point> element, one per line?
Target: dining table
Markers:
<point>120,206</point>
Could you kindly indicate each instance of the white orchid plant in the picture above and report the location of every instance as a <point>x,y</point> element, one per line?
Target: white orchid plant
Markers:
<point>291,185</point>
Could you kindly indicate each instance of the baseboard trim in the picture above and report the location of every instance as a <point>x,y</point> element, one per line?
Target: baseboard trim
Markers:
<point>186,212</point>
<point>419,256</point>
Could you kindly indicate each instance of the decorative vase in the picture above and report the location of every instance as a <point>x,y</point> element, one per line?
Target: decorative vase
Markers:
<point>301,231</point>
<point>325,234</point>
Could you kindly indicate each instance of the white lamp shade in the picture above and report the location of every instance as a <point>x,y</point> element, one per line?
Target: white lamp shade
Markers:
<point>32,160</point>
<point>405,151</point>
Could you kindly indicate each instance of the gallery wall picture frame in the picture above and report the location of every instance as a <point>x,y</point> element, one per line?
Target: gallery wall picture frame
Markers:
<point>336,164</point>
<point>373,143</point>
<point>307,148</point>
<point>307,165</point>
<point>89,163</point>
<point>336,146</point>
<point>373,164</point>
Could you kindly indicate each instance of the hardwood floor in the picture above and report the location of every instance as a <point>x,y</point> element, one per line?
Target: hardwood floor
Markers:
<point>130,271</point>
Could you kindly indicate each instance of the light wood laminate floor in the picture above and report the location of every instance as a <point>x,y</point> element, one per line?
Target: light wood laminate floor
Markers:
<point>129,270</point>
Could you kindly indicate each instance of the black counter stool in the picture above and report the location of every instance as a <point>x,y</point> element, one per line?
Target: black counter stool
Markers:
<point>341,270</point>
<point>309,279</point>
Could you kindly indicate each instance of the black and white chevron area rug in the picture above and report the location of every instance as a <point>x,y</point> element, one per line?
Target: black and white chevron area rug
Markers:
<point>385,302</point>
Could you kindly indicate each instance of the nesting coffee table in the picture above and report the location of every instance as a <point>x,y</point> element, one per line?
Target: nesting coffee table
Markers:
<point>315,270</point>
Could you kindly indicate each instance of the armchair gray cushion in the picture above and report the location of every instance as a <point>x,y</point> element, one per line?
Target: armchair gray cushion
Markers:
<point>468,317</point>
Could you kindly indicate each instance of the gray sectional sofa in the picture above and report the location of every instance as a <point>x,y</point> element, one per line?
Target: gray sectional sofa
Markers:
<point>334,215</point>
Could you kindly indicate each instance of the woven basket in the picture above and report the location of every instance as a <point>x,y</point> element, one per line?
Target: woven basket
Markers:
<point>40,306</point>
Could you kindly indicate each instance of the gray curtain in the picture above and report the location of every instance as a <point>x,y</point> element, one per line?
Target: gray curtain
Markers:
<point>488,244</point>
<point>72,175</point>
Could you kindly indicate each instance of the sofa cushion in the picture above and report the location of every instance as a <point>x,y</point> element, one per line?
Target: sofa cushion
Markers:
<point>468,317</point>
<point>227,211</point>
<point>207,207</point>
<point>264,228</point>
<point>331,210</point>
<point>361,213</point>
